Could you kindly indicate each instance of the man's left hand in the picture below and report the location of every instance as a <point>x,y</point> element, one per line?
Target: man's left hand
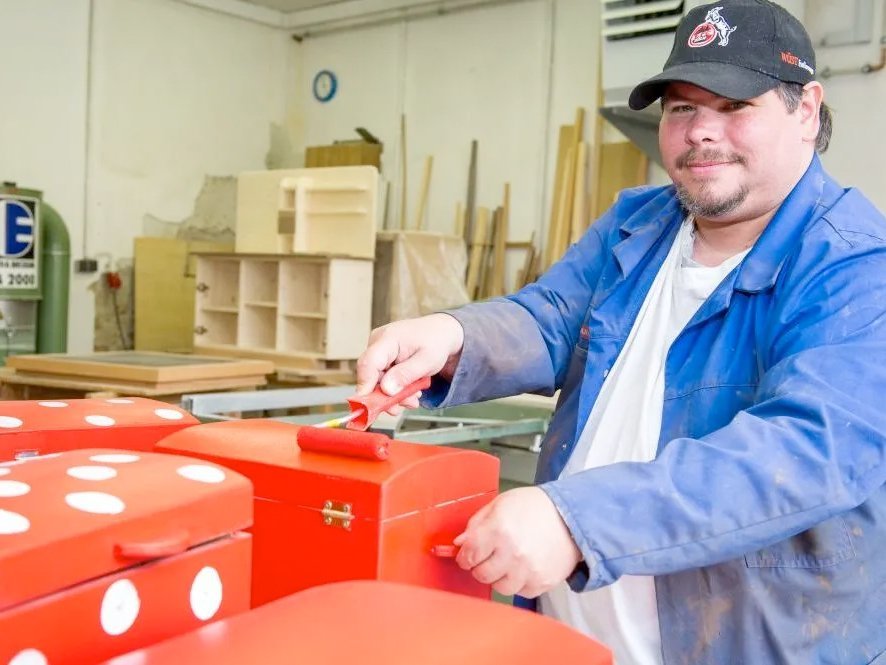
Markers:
<point>519,544</point>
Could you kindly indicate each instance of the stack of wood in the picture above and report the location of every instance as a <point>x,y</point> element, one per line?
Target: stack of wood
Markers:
<point>487,250</point>
<point>569,201</point>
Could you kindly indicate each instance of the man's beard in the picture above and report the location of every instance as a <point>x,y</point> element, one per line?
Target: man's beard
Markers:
<point>704,204</point>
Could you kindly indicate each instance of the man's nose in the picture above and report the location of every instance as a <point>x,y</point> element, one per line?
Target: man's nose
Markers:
<point>705,126</point>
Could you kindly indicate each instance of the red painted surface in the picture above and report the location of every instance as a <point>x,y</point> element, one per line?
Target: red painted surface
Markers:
<point>378,623</point>
<point>52,426</point>
<point>420,497</point>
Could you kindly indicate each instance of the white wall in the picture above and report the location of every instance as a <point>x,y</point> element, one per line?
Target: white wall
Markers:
<point>178,93</point>
<point>44,52</point>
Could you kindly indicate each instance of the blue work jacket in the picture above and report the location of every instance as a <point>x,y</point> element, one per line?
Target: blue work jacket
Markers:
<point>763,515</point>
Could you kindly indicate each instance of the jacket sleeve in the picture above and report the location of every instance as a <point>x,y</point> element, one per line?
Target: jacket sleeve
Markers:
<point>812,446</point>
<point>523,343</point>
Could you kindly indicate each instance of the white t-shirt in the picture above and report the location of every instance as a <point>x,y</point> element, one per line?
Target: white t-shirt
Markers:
<point>624,426</point>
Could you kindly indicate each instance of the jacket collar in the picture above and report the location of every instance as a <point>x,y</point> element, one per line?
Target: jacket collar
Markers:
<point>759,270</point>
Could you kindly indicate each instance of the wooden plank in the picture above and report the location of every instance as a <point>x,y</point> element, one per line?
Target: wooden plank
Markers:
<point>485,289</point>
<point>525,271</point>
<point>403,170</point>
<point>349,314</point>
<point>500,245</point>
<point>139,366</point>
<point>459,220</point>
<point>87,386</point>
<point>470,201</point>
<point>565,142</point>
<point>580,194</point>
<point>625,167</point>
<point>423,194</point>
<point>164,292</point>
<point>564,210</point>
<point>347,153</point>
<point>477,250</point>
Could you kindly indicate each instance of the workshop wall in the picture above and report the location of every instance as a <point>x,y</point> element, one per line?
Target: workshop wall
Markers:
<point>506,75</point>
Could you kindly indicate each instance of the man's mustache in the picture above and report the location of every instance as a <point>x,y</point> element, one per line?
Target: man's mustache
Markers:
<point>694,156</point>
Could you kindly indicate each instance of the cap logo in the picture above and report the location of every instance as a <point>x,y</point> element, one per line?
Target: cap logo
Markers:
<point>792,59</point>
<point>714,25</point>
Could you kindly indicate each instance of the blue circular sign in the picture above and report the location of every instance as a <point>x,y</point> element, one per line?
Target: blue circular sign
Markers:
<point>325,85</point>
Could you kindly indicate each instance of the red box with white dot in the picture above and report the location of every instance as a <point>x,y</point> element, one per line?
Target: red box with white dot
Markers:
<point>104,551</point>
<point>378,623</point>
<point>32,428</point>
<point>322,517</point>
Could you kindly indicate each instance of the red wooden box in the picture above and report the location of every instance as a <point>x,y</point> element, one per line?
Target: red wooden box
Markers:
<point>134,423</point>
<point>378,623</point>
<point>323,518</point>
<point>105,551</point>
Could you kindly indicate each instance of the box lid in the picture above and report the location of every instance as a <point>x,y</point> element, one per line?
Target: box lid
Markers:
<point>378,623</point>
<point>17,417</point>
<point>414,476</point>
<point>74,516</point>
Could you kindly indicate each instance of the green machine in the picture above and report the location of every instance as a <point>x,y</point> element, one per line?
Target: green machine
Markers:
<point>35,262</point>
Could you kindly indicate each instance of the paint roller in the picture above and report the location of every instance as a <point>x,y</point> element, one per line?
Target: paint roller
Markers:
<point>354,441</point>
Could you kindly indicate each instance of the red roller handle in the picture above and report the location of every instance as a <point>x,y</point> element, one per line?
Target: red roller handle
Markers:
<point>445,551</point>
<point>371,405</point>
<point>363,445</point>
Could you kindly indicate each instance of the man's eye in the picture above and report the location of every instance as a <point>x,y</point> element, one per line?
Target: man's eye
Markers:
<point>680,108</point>
<point>737,105</point>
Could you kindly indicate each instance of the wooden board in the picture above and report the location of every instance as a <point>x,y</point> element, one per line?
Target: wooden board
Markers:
<point>351,153</point>
<point>139,366</point>
<point>164,292</point>
<point>626,167</point>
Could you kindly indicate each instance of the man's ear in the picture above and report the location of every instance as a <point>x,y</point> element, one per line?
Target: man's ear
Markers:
<point>810,105</point>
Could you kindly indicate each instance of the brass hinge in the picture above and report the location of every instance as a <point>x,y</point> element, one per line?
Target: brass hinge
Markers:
<point>202,287</point>
<point>201,330</point>
<point>337,514</point>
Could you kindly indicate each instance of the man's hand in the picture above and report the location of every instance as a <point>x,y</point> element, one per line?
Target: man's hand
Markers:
<point>405,351</point>
<point>519,544</point>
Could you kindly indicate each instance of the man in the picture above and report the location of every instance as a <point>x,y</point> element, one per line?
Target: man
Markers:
<point>711,487</point>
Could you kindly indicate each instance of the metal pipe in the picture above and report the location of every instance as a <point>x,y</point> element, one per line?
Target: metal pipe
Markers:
<point>866,68</point>
<point>55,272</point>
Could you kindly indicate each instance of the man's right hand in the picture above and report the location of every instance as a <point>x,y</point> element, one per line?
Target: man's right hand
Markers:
<point>405,351</point>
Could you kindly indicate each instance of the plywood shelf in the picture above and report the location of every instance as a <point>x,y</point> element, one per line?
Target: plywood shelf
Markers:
<point>284,305</point>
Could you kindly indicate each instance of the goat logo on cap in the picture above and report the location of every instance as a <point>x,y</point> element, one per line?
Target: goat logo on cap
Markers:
<point>714,25</point>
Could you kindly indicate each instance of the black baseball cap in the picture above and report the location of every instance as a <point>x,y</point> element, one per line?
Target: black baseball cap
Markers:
<point>736,49</point>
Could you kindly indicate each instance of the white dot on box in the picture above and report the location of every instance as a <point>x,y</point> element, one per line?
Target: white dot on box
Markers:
<point>53,405</point>
<point>169,414</point>
<point>206,593</point>
<point>114,458</point>
<point>10,488</point>
<point>98,503</point>
<point>201,473</point>
<point>92,472</point>
<point>12,523</point>
<point>100,421</point>
<point>8,422</point>
<point>29,657</point>
<point>120,400</point>
<point>120,606</point>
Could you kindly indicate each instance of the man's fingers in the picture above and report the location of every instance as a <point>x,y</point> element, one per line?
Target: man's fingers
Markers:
<point>371,365</point>
<point>509,585</point>
<point>492,569</point>
<point>417,366</point>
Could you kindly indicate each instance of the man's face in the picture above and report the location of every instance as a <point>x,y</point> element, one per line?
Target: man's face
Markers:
<point>731,160</point>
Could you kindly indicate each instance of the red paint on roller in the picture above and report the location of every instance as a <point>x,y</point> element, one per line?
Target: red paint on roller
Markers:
<point>364,445</point>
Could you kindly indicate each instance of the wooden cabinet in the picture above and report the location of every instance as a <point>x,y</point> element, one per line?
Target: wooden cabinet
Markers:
<point>283,306</point>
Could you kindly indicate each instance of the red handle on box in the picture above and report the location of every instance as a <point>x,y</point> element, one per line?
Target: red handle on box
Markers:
<point>374,403</point>
<point>445,551</point>
<point>364,445</point>
<point>154,549</point>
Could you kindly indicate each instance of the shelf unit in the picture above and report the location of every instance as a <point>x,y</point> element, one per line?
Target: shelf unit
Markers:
<point>283,306</point>
<point>331,210</point>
